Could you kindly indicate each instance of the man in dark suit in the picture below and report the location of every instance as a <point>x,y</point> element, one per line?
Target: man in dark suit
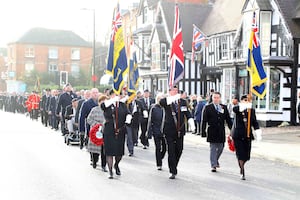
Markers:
<point>146,103</point>
<point>44,107</point>
<point>84,127</point>
<point>215,115</point>
<point>174,127</point>
<point>135,108</point>
<point>63,101</point>
<point>52,108</point>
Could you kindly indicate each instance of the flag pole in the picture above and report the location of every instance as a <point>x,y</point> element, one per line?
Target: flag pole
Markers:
<point>250,89</point>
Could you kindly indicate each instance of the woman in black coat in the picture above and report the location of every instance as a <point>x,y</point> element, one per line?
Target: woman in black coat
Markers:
<point>242,141</point>
<point>115,114</point>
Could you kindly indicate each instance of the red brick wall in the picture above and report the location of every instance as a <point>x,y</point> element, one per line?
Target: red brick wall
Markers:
<point>17,58</point>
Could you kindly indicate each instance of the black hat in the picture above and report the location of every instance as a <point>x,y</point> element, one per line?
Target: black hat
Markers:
<point>245,96</point>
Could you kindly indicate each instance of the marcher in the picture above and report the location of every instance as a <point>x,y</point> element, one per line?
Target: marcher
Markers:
<point>215,115</point>
<point>174,127</point>
<point>155,129</point>
<point>146,102</point>
<point>135,108</point>
<point>116,115</point>
<point>234,102</point>
<point>242,140</point>
<point>84,127</point>
<point>64,100</point>
<point>198,113</point>
<point>96,117</point>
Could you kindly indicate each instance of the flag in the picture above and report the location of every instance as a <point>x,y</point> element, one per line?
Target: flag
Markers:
<point>133,75</point>
<point>176,69</point>
<point>255,64</point>
<point>37,86</point>
<point>117,60</point>
<point>198,40</point>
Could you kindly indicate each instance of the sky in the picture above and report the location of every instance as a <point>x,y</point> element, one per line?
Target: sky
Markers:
<point>19,16</point>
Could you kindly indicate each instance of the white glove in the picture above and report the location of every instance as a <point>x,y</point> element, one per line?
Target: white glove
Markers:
<point>249,105</point>
<point>192,124</point>
<point>258,134</point>
<point>128,119</point>
<point>172,99</point>
<point>145,114</point>
<point>124,99</point>
<point>109,102</point>
<point>242,107</point>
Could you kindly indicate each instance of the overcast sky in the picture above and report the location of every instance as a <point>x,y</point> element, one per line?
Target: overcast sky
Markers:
<point>19,16</point>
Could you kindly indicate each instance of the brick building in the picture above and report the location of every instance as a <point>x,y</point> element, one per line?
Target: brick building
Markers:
<point>52,51</point>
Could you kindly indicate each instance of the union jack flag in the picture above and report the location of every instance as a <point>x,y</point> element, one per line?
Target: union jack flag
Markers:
<point>116,22</point>
<point>198,39</point>
<point>176,69</point>
<point>117,60</point>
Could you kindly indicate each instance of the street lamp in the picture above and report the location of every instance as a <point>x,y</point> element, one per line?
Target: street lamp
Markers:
<point>94,46</point>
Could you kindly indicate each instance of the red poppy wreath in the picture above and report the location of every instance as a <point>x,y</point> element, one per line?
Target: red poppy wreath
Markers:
<point>96,135</point>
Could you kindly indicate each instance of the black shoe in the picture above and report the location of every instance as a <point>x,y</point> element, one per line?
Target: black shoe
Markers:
<point>111,175</point>
<point>94,165</point>
<point>213,169</point>
<point>243,177</point>
<point>159,168</point>
<point>130,154</point>
<point>172,176</point>
<point>118,172</point>
<point>104,169</point>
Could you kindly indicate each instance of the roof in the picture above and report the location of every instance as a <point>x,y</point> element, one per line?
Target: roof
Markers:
<point>190,13</point>
<point>53,37</point>
<point>150,4</point>
<point>289,10</point>
<point>262,4</point>
<point>223,18</point>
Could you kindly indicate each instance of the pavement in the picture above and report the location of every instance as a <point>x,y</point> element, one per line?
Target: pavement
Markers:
<point>277,144</point>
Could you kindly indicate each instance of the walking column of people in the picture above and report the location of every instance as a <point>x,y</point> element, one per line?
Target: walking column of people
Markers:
<point>166,118</point>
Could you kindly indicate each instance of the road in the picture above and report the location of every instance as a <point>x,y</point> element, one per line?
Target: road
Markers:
<point>36,164</point>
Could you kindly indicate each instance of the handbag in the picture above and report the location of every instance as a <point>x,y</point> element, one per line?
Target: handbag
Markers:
<point>230,143</point>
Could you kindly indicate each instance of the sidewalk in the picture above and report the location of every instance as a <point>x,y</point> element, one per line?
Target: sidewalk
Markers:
<point>278,143</point>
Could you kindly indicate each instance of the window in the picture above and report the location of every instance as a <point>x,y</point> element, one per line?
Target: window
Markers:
<point>145,16</point>
<point>75,54</point>
<point>53,53</point>
<point>224,48</point>
<point>265,32</point>
<point>163,85</point>
<point>29,67</point>
<point>274,90</point>
<point>75,69</point>
<point>29,52</point>
<point>52,67</point>
<point>155,56</point>
<point>163,57</point>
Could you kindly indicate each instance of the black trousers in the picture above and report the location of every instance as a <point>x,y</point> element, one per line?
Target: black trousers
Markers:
<point>46,118</point>
<point>143,138</point>
<point>160,149</point>
<point>95,157</point>
<point>175,147</point>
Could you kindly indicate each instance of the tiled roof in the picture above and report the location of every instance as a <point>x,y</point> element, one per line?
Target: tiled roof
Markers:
<point>53,37</point>
<point>223,18</point>
<point>289,11</point>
